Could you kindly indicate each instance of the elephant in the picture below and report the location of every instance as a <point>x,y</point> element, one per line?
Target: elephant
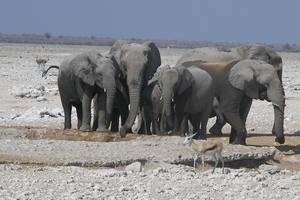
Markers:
<point>152,106</point>
<point>236,83</point>
<point>80,78</point>
<point>193,92</point>
<point>120,108</point>
<point>248,51</point>
<point>152,109</point>
<point>137,63</point>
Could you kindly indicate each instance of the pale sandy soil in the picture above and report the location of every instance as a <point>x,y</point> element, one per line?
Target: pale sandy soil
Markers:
<point>24,94</point>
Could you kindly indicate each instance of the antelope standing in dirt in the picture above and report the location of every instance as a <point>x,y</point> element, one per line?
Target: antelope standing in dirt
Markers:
<point>41,63</point>
<point>213,148</point>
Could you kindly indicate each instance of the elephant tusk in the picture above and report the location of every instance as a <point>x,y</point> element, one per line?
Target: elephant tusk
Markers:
<point>104,90</point>
<point>172,100</point>
<point>170,132</point>
<point>160,98</point>
<point>275,104</point>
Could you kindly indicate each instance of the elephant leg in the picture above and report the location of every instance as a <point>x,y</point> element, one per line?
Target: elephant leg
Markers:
<point>141,123</point>
<point>67,110</point>
<point>183,124</point>
<point>148,121</point>
<point>163,124</point>
<point>115,120</point>
<point>245,108</point>
<point>203,120</point>
<point>244,111</point>
<point>195,121</point>
<point>79,115</point>
<point>86,114</point>
<point>102,113</point>
<point>216,129</point>
<point>273,129</point>
<point>151,116</point>
<point>157,125</point>
<point>177,125</point>
<point>232,136</point>
<point>239,134</point>
<point>96,114</point>
<point>122,105</point>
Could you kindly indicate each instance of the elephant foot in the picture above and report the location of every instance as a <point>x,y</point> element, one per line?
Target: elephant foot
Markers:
<point>114,129</point>
<point>85,129</point>
<point>216,130</point>
<point>280,140</point>
<point>123,132</point>
<point>240,141</point>
<point>68,126</point>
<point>102,130</point>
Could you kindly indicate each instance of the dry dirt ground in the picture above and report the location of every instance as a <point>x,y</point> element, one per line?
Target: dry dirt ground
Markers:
<point>30,103</point>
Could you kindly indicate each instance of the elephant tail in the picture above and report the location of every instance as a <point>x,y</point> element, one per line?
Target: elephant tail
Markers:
<point>46,71</point>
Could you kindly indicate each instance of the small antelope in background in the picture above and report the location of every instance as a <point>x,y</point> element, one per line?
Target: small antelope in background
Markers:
<point>213,148</point>
<point>41,63</point>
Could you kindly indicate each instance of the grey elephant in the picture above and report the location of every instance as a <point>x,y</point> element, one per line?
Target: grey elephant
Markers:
<point>153,112</point>
<point>249,51</point>
<point>152,107</point>
<point>80,78</point>
<point>193,92</point>
<point>120,108</point>
<point>236,83</point>
<point>138,63</point>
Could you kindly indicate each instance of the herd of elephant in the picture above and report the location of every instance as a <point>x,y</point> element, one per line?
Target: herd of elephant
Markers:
<point>128,82</point>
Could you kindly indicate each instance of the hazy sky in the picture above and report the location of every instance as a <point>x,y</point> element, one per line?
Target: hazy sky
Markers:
<point>245,21</point>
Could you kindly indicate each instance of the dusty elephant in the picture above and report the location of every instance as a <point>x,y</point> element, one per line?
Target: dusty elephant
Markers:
<point>193,92</point>
<point>138,63</point>
<point>236,83</point>
<point>249,51</point>
<point>80,78</point>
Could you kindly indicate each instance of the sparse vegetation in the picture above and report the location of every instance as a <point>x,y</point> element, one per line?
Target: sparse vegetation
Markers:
<point>47,38</point>
<point>47,35</point>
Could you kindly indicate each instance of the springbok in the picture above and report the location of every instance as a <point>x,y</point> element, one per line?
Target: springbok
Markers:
<point>213,148</point>
<point>41,63</point>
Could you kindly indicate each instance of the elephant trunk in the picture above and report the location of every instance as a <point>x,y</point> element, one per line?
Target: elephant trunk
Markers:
<point>167,97</point>
<point>275,95</point>
<point>110,98</point>
<point>134,98</point>
<point>278,122</point>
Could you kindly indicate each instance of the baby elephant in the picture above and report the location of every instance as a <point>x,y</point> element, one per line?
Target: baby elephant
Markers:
<point>193,92</point>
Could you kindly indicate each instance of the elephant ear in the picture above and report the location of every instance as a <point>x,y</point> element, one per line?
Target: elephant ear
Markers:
<point>244,76</point>
<point>82,67</point>
<point>115,64</point>
<point>187,79</point>
<point>155,59</point>
<point>117,46</point>
<point>117,53</point>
